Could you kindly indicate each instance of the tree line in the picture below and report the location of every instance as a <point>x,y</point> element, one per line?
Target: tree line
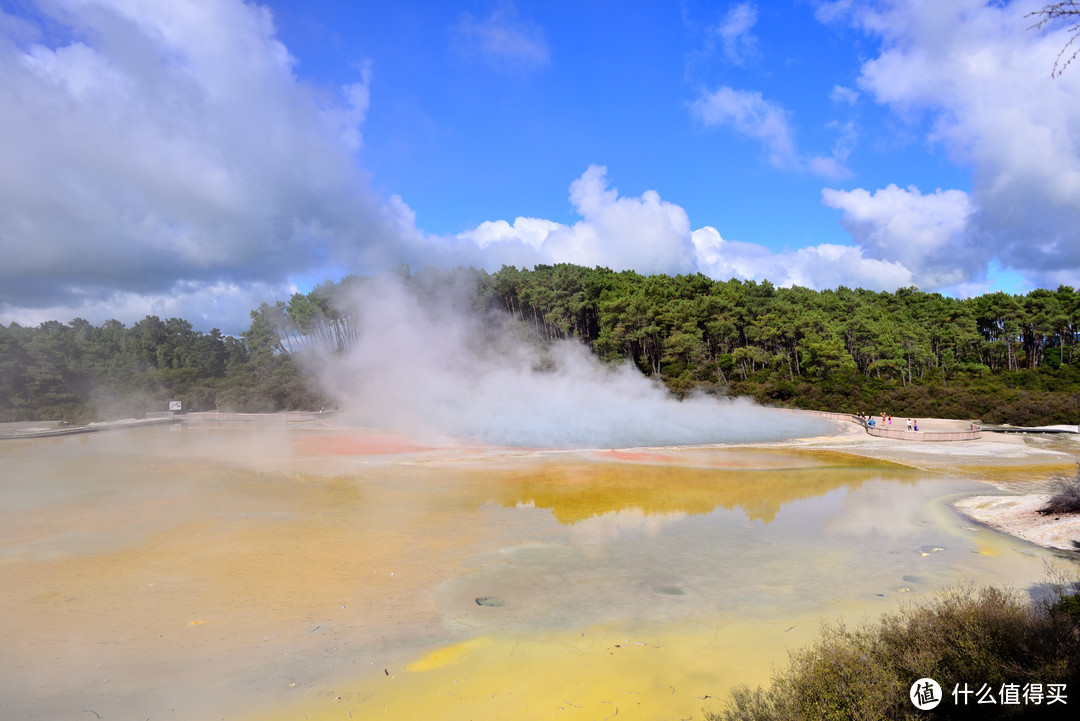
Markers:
<point>79,372</point>
<point>998,357</point>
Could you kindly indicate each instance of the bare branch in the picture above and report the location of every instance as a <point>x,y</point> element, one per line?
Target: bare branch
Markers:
<point>1068,9</point>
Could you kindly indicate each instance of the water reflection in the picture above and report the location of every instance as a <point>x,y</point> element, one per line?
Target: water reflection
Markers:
<point>210,572</point>
<point>654,484</point>
<point>712,558</point>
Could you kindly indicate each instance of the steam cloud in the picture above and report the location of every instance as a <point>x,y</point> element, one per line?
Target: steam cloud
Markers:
<point>427,365</point>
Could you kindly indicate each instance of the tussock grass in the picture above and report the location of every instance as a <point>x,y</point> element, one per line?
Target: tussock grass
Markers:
<point>967,635</point>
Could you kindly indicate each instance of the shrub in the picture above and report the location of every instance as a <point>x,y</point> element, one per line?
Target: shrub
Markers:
<point>966,636</point>
<point>1066,498</point>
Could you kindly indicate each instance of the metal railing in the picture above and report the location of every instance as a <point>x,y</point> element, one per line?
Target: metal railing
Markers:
<point>972,434</point>
<point>287,417</point>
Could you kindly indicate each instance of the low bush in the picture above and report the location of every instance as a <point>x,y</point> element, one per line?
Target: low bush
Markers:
<point>966,636</point>
<point>1066,498</point>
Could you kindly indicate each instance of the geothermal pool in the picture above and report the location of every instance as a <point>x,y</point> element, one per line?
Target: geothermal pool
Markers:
<point>209,574</point>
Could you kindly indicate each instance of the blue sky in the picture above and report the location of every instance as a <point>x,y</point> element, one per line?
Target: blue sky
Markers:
<point>197,157</point>
<point>468,138</point>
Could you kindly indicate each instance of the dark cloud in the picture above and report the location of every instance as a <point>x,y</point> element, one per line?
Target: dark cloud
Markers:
<point>158,147</point>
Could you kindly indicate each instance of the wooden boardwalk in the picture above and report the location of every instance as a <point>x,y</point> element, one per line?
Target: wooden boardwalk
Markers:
<point>972,433</point>
<point>25,430</point>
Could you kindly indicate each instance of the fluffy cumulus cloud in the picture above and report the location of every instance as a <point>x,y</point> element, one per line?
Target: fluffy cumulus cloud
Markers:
<point>165,158</point>
<point>928,234</point>
<point>156,151</point>
<point>822,266</point>
<point>984,80</point>
<point>645,233</point>
<point>651,235</point>
<point>530,232</point>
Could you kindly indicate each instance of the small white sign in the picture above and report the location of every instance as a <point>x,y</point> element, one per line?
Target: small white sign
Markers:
<point>174,405</point>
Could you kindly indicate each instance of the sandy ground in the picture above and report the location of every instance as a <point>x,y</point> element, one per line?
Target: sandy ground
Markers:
<point>1019,515</point>
<point>1020,466</point>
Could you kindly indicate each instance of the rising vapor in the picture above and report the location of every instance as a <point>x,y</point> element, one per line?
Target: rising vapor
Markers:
<point>426,364</point>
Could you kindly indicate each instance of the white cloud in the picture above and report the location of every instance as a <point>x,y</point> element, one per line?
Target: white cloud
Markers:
<point>223,305</point>
<point>828,166</point>
<point>929,234</point>
<point>351,117</point>
<point>817,267</point>
<point>842,95</point>
<point>646,234</point>
<point>163,147</point>
<point>738,42</point>
<point>530,231</point>
<point>503,40</point>
<point>163,154</point>
<point>827,11</point>
<point>983,78</point>
<point>651,235</point>
<point>725,259</point>
<point>750,114</point>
